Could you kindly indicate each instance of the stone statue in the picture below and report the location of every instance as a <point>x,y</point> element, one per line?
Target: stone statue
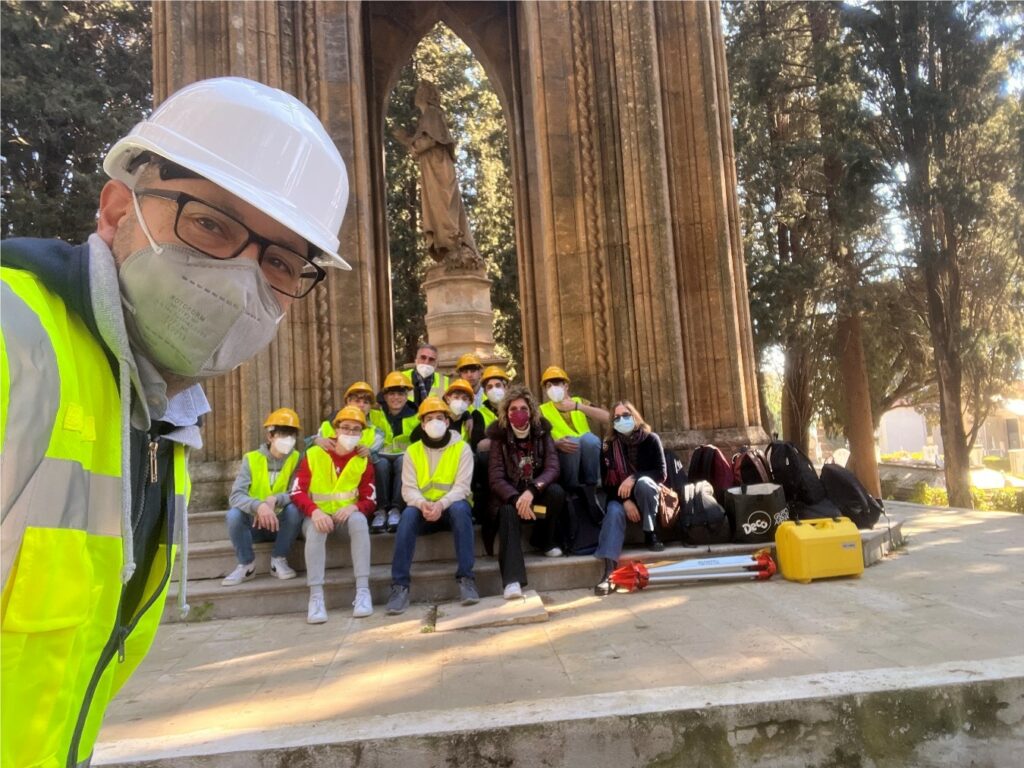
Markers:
<point>449,239</point>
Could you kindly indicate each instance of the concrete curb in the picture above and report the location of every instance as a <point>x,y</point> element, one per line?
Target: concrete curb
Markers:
<point>954,713</point>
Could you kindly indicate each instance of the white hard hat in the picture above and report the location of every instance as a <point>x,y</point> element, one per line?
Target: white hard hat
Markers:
<point>256,142</point>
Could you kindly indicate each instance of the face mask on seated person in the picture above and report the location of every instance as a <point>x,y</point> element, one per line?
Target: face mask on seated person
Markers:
<point>347,443</point>
<point>435,428</point>
<point>283,444</point>
<point>425,371</point>
<point>556,394</point>
<point>625,426</point>
<point>458,407</point>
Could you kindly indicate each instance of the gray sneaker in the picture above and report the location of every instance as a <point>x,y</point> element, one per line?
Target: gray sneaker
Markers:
<point>394,518</point>
<point>467,591</point>
<point>380,520</point>
<point>398,601</point>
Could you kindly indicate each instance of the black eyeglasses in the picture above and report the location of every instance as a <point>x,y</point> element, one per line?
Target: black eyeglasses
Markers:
<point>220,235</point>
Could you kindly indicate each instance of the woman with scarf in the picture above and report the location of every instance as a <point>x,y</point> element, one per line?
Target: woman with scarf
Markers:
<point>523,473</point>
<point>634,463</point>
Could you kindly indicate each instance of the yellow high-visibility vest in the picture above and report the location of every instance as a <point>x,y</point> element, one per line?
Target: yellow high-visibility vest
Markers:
<point>394,443</point>
<point>61,645</point>
<point>331,490</point>
<point>559,427</point>
<point>260,487</point>
<point>434,486</point>
<point>489,416</point>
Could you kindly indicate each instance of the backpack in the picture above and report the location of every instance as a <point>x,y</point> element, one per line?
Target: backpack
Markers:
<point>750,467</point>
<point>794,472</point>
<point>709,464</point>
<point>702,520</point>
<point>850,496</point>
<point>676,475</point>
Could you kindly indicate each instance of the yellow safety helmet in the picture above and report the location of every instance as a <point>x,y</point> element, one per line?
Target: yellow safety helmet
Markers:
<point>359,388</point>
<point>460,385</point>
<point>349,413</point>
<point>433,405</point>
<point>395,380</point>
<point>282,417</point>
<point>554,373</point>
<point>494,372</point>
<point>468,360</point>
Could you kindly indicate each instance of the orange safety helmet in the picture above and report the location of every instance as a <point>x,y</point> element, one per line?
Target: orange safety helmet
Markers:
<point>433,405</point>
<point>395,380</point>
<point>282,417</point>
<point>468,360</point>
<point>349,413</point>
<point>554,373</point>
<point>494,372</point>
<point>460,385</point>
<point>359,388</point>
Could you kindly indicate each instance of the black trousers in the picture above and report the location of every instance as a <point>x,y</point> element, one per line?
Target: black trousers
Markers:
<point>548,532</point>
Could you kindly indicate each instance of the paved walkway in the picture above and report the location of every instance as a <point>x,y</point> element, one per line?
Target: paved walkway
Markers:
<point>955,593</point>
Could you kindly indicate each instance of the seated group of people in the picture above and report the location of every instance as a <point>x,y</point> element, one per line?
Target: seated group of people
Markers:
<point>430,453</point>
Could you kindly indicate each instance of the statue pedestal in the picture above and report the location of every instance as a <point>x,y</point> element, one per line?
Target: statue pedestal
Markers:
<point>459,318</point>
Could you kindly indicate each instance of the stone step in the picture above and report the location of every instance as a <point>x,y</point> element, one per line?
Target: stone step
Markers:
<point>215,559</point>
<point>433,580</point>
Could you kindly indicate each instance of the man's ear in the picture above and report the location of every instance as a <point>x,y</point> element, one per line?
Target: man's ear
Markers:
<point>115,206</point>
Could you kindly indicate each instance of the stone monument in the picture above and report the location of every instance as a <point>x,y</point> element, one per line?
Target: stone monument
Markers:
<point>457,288</point>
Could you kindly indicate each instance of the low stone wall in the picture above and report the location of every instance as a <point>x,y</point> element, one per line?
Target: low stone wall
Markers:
<point>953,714</point>
<point>900,480</point>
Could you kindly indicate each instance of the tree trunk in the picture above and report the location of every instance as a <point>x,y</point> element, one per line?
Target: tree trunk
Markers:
<point>767,418</point>
<point>797,407</point>
<point>858,425</point>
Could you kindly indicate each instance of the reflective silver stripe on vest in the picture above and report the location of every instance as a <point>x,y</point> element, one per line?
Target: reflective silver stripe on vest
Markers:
<point>34,382</point>
<point>332,496</point>
<point>62,495</point>
<point>432,486</point>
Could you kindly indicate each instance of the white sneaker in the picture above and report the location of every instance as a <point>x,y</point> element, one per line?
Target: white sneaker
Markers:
<point>280,568</point>
<point>362,606</point>
<point>240,574</point>
<point>513,590</point>
<point>317,613</point>
<point>553,552</point>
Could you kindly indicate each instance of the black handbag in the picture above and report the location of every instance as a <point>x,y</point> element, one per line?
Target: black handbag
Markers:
<point>755,511</point>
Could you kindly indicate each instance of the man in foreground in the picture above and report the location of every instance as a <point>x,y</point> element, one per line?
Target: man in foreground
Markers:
<point>223,208</point>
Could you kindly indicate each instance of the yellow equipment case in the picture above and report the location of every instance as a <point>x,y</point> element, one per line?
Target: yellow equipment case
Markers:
<point>819,549</point>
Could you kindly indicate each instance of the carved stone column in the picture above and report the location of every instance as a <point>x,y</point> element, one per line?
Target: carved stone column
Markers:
<point>640,290</point>
<point>311,50</point>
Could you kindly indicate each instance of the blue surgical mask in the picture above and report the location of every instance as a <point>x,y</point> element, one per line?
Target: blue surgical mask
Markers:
<point>624,425</point>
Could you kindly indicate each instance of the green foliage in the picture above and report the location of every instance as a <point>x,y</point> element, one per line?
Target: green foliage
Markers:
<point>482,161</point>
<point>76,77</point>
<point>998,500</point>
<point>997,463</point>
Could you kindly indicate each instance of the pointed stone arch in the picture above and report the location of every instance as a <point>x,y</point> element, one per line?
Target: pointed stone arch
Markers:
<point>631,270</point>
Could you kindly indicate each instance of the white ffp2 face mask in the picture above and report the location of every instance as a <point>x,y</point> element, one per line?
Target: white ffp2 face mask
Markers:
<point>348,442</point>
<point>496,395</point>
<point>193,315</point>
<point>458,407</point>
<point>425,371</point>
<point>435,428</point>
<point>556,394</point>
<point>283,445</point>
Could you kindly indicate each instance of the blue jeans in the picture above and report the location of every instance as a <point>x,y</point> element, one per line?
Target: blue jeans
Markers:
<point>458,518</point>
<point>242,533</point>
<point>613,529</point>
<point>387,474</point>
<point>582,467</point>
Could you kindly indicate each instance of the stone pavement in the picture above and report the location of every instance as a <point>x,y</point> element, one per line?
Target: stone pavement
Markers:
<point>950,605</point>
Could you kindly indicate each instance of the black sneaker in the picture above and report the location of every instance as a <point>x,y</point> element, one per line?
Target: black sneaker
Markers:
<point>398,601</point>
<point>651,540</point>
<point>467,591</point>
